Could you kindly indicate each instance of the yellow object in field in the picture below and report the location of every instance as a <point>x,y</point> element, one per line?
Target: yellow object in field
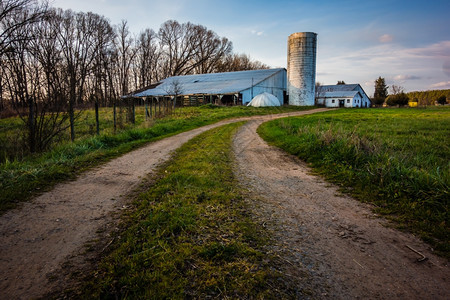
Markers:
<point>413,104</point>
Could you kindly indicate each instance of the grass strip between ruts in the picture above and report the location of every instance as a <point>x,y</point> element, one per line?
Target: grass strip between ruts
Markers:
<point>191,234</point>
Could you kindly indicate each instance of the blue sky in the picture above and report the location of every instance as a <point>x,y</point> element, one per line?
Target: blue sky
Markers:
<point>406,42</point>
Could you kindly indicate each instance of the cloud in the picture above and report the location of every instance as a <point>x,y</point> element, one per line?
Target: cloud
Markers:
<point>323,73</point>
<point>441,49</point>
<point>415,68</point>
<point>442,84</point>
<point>258,33</point>
<point>385,38</point>
<point>446,68</point>
<point>406,77</point>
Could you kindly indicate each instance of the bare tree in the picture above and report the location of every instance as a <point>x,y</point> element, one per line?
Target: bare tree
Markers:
<point>13,19</point>
<point>54,61</point>
<point>179,45</point>
<point>238,62</point>
<point>174,89</point>
<point>126,54</point>
<point>147,58</point>
<point>396,89</point>
<point>14,16</point>
<point>34,79</point>
<point>211,50</point>
<point>319,92</point>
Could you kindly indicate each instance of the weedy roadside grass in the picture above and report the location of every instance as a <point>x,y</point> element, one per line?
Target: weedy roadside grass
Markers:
<point>397,159</point>
<point>190,235</point>
<point>22,178</point>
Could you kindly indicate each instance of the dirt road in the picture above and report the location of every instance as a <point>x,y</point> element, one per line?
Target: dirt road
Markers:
<point>36,239</point>
<point>332,243</point>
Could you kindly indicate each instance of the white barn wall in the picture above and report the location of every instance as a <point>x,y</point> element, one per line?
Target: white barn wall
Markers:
<point>275,85</point>
<point>365,101</point>
<point>348,101</point>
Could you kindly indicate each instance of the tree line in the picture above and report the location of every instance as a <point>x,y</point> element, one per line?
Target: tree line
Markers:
<point>54,62</point>
<point>429,97</point>
<point>397,96</point>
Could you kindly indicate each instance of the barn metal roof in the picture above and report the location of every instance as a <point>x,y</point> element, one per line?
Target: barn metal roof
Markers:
<point>210,84</point>
<point>338,94</point>
<point>337,88</point>
<point>341,88</point>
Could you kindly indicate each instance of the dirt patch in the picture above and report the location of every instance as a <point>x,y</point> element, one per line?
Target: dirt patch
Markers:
<point>38,239</point>
<point>334,245</point>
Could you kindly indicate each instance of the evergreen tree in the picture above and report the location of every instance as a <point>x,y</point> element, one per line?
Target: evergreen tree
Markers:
<point>381,91</point>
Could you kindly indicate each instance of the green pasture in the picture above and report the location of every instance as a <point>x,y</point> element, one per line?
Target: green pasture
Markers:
<point>396,159</point>
<point>23,175</point>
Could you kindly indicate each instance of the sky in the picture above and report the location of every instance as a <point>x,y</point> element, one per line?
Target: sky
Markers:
<point>405,42</point>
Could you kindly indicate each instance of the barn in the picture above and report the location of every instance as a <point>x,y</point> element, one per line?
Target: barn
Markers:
<point>230,88</point>
<point>342,95</point>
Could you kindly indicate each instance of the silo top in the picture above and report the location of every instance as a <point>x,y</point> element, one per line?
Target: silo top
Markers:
<point>302,34</point>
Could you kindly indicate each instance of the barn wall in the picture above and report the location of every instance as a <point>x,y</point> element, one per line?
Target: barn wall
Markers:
<point>364,100</point>
<point>348,102</point>
<point>276,85</point>
<point>329,102</point>
<point>357,100</point>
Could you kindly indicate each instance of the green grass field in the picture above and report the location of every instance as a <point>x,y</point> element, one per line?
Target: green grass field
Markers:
<point>13,134</point>
<point>397,159</point>
<point>191,235</point>
<point>27,175</point>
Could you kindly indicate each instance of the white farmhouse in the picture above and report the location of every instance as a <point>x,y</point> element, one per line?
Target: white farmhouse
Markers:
<point>342,95</point>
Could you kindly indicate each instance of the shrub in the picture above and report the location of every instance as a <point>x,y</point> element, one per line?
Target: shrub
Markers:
<point>378,100</point>
<point>398,99</point>
<point>442,100</point>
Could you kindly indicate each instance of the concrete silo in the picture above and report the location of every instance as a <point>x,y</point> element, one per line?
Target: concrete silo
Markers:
<point>301,68</point>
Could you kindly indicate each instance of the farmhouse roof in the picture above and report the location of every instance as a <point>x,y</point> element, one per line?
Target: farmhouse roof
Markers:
<point>337,87</point>
<point>338,94</point>
<point>208,84</point>
<point>341,88</point>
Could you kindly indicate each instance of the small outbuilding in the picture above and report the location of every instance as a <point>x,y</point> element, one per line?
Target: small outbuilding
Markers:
<point>263,100</point>
<point>342,95</point>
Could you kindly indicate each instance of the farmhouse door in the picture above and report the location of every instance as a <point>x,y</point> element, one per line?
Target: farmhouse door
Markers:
<point>341,103</point>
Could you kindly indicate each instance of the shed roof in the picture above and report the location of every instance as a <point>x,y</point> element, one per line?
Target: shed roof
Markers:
<point>209,84</point>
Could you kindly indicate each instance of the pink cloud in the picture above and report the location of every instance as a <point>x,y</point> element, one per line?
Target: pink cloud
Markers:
<point>385,38</point>
<point>406,77</point>
<point>441,49</point>
<point>442,84</point>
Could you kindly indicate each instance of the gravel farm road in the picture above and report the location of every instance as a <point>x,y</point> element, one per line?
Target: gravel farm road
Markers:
<point>37,238</point>
<point>332,243</point>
